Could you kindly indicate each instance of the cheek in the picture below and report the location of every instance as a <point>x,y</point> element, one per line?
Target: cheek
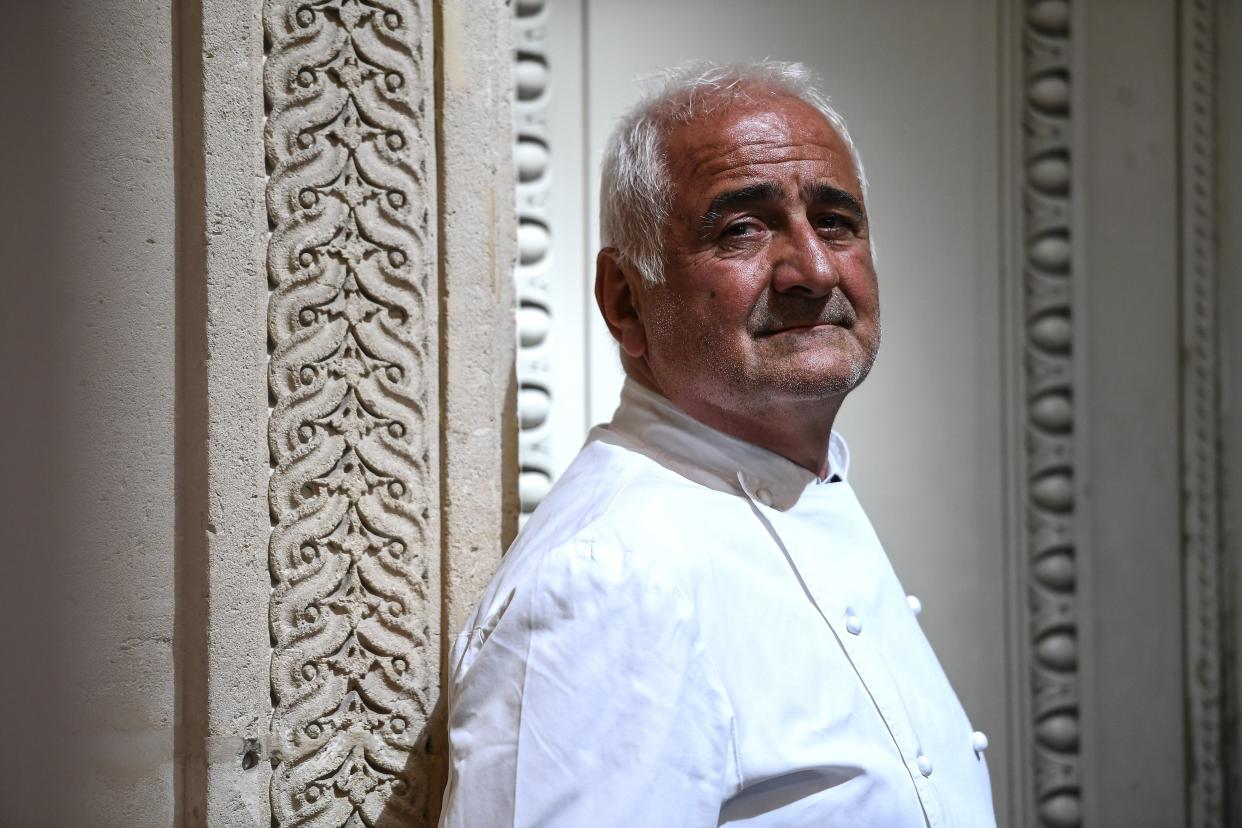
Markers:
<point>723,313</point>
<point>726,300</point>
<point>858,281</point>
<point>672,326</point>
<point>698,334</point>
<point>709,309</point>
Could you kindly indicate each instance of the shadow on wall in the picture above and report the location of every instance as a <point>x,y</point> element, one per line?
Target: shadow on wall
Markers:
<point>86,331</point>
<point>417,805</point>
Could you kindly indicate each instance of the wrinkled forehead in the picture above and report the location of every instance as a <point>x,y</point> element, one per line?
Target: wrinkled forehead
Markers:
<point>748,137</point>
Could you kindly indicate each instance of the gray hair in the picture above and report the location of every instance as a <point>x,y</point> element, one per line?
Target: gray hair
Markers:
<point>635,190</point>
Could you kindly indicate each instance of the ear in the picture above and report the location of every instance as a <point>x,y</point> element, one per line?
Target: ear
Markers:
<point>617,293</point>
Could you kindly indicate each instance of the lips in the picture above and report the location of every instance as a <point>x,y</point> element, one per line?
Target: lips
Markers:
<point>829,317</point>
<point>806,327</point>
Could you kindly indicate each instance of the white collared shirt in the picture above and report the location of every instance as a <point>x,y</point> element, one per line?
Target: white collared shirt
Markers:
<point>694,631</point>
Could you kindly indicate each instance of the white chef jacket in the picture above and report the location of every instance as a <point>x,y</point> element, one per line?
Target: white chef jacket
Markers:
<point>694,631</point>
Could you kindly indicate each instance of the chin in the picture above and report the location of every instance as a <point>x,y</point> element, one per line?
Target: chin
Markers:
<point>807,386</point>
<point>822,375</point>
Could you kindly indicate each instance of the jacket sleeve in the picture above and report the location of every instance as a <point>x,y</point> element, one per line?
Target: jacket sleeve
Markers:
<point>587,698</point>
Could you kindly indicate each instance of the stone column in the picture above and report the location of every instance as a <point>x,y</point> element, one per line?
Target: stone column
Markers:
<point>357,228</point>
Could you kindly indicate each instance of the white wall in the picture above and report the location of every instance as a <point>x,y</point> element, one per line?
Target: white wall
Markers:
<point>87,337</point>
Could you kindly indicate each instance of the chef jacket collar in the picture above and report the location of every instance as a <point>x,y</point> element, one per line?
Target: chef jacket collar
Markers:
<point>652,424</point>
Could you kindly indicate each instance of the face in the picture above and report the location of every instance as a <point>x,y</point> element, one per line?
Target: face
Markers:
<point>770,293</point>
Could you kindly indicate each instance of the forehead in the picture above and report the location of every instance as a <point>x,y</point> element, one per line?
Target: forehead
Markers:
<point>747,141</point>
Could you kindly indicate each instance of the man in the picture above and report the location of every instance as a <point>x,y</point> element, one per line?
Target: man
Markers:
<point>698,626</point>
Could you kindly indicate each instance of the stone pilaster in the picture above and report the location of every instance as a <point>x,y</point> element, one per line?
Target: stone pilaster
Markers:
<point>352,322</point>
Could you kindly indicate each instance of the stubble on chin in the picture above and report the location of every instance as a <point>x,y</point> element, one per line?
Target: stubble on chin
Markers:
<point>767,372</point>
<point>795,369</point>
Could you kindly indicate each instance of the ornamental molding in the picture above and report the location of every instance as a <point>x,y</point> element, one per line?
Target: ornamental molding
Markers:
<point>354,548</point>
<point>1044,448</point>
<point>536,297</point>
<point>1201,535</point>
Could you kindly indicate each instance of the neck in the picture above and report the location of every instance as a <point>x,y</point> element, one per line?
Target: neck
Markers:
<point>798,430</point>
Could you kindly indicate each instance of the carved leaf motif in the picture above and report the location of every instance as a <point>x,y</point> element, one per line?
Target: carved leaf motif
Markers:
<point>354,610</point>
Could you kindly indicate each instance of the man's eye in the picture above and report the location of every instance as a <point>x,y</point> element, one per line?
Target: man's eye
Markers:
<point>835,223</point>
<point>741,229</point>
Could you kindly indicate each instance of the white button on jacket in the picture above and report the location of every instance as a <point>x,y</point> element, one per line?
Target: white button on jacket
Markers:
<point>979,741</point>
<point>663,646</point>
<point>853,623</point>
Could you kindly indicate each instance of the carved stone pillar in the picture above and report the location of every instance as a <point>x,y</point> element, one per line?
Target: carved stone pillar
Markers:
<point>354,551</point>
<point>371,353</point>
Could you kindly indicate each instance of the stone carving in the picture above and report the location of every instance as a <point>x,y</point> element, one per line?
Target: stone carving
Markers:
<point>534,316</point>
<point>1047,424</point>
<point>1200,412</point>
<point>353,552</point>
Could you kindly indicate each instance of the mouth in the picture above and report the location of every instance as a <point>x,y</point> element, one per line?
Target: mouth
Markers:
<point>804,327</point>
<point>777,314</point>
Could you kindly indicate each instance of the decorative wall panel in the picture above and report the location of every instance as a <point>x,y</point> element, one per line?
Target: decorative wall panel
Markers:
<point>1049,557</point>
<point>1202,546</point>
<point>354,548</point>
<point>534,238</point>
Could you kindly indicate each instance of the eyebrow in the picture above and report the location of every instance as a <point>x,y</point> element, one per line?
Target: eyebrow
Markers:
<point>821,194</point>
<point>751,193</point>
<point>830,196</point>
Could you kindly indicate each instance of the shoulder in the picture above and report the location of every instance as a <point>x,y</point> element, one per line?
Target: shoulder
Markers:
<point>582,579</point>
<point>588,603</point>
<point>607,485</point>
<point>592,558</point>
<point>620,507</point>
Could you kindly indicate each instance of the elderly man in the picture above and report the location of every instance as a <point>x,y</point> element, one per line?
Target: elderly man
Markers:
<point>698,626</point>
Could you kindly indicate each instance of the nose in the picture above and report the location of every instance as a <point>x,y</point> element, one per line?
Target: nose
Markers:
<point>803,263</point>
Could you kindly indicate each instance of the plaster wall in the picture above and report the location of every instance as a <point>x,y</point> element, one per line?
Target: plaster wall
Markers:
<point>87,334</point>
<point>1131,636</point>
<point>1229,99</point>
